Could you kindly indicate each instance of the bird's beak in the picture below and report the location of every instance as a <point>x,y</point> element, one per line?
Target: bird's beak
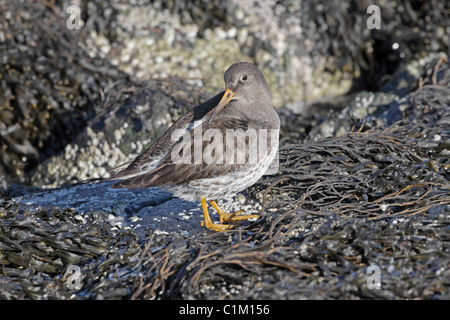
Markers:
<point>227,97</point>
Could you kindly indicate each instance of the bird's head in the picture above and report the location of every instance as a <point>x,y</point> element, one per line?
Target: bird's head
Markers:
<point>243,82</point>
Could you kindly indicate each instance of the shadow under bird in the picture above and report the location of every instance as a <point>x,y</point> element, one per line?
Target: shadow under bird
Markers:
<point>196,159</point>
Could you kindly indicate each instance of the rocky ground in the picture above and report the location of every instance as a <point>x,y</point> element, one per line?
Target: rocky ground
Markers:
<point>364,158</point>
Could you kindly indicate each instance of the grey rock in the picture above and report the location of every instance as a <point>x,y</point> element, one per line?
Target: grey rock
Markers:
<point>150,210</point>
<point>133,116</point>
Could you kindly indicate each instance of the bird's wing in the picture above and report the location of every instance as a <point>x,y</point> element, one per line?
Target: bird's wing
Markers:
<point>152,157</point>
<point>173,169</point>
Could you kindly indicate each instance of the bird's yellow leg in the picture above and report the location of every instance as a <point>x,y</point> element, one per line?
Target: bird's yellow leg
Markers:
<point>231,216</point>
<point>207,219</point>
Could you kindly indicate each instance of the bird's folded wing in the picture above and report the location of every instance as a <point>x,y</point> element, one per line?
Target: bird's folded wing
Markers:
<point>190,159</point>
<point>151,158</point>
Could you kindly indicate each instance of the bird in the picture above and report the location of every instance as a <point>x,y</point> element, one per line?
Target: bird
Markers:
<point>210,152</point>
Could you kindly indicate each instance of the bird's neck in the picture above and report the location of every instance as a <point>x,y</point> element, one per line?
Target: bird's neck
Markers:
<point>257,116</point>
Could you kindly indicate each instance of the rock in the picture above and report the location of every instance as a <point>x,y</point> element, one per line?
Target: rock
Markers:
<point>50,85</point>
<point>328,118</point>
<point>142,210</point>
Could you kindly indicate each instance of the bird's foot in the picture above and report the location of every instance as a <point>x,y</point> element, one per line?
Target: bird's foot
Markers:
<point>235,216</point>
<point>224,217</point>
<point>207,222</point>
<point>216,226</point>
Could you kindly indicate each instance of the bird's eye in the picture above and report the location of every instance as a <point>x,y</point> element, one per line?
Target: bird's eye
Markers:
<point>244,78</point>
